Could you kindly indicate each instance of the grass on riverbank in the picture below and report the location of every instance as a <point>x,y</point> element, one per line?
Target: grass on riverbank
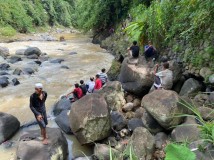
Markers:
<point>7,31</point>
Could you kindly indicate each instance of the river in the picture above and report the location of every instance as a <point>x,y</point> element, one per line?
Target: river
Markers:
<point>88,61</point>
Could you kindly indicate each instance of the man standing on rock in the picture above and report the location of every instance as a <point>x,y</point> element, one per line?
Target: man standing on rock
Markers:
<point>37,105</point>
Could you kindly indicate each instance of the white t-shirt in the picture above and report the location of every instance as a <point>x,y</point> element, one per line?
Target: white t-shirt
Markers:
<point>166,77</point>
<point>91,86</point>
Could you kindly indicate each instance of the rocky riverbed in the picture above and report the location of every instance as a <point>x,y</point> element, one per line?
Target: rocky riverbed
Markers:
<point>56,64</point>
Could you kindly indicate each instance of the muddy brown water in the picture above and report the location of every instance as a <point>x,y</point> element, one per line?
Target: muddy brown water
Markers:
<point>88,61</point>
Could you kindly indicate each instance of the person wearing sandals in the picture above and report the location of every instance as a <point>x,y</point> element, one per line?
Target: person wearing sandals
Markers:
<point>37,106</point>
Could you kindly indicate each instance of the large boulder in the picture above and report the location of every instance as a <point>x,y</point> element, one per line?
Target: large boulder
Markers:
<point>163,105</point>
<point>61,105</point>
<point>14,59</point>
<point>150,123</point>
<point>143,143</point>
<point>9,125</point>
<point>4,82</point>
<point>188,131</point>
<point>191,86</point>
<point>63,122</point>
<point>134,79</point>
<point>4,66</point>
<point>176,68</point>
<point>114,95</point>
<point>118,121</point>
<point>31,147</point>
<point>90,119</point>
<point>32,51</point>
<point>4,52</point>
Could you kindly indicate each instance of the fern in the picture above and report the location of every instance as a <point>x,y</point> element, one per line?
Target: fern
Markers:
<point>179,152</point>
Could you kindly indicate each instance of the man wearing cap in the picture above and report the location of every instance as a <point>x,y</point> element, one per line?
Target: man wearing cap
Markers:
<point>37,105</point>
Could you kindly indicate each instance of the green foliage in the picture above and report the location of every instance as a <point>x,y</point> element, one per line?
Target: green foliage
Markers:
<point>167,21</point>
<point>59,11</point>
<point>13,13</point>
<point>7,31</point>
<point>206,127</point>
<point>207,132</point>
<point>127,154</point>
<point>24,15</point>
<point>36,11</point>
<point>179,152</point>
<point>99,14</point>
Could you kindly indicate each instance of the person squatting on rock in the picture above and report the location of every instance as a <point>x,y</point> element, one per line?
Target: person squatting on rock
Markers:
<point>98,83</point>
<point>103,76</point>
<point>164,78</point>
<point>134,50</point>
<point>90,85</point>
<point>83,87</point>
<point>77,93</point>
<point>150,52</point>
<point>37,106</point>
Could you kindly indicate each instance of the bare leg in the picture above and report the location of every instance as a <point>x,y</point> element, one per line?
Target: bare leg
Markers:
<point>44,135</point>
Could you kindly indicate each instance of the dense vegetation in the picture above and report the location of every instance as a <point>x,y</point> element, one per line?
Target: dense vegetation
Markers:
<point>184,25</point>
<point>25,15</point>
<point>99,14</point>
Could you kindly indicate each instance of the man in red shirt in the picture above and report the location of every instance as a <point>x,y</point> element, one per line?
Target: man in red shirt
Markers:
<point>98,83</point>
<point>77,92</point>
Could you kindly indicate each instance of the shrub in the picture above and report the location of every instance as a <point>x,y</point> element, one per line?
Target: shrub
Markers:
<point>7,31</point>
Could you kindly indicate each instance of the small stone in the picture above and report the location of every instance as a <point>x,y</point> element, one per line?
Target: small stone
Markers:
<point>15,81</point>
<point>211,79</point>
<point>129,98</point>
<point>136,103</point>
<point>205,72</point>
<point>128,107</point>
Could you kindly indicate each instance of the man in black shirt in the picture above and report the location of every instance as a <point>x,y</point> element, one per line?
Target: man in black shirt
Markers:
<point>83,87</point>
<point>37,105</point>
<point>134,50</point>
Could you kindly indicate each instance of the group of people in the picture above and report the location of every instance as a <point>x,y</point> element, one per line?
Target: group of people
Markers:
<point>150,51</point>
<point>92,85</point>
<point>162,79</point>
<point>38,98</point>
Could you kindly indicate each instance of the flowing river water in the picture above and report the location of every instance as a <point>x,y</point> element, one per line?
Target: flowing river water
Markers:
<point>89,60</point>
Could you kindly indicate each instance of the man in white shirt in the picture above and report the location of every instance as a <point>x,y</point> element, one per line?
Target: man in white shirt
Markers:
<point>90,85</point>
<point>163,79</point>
